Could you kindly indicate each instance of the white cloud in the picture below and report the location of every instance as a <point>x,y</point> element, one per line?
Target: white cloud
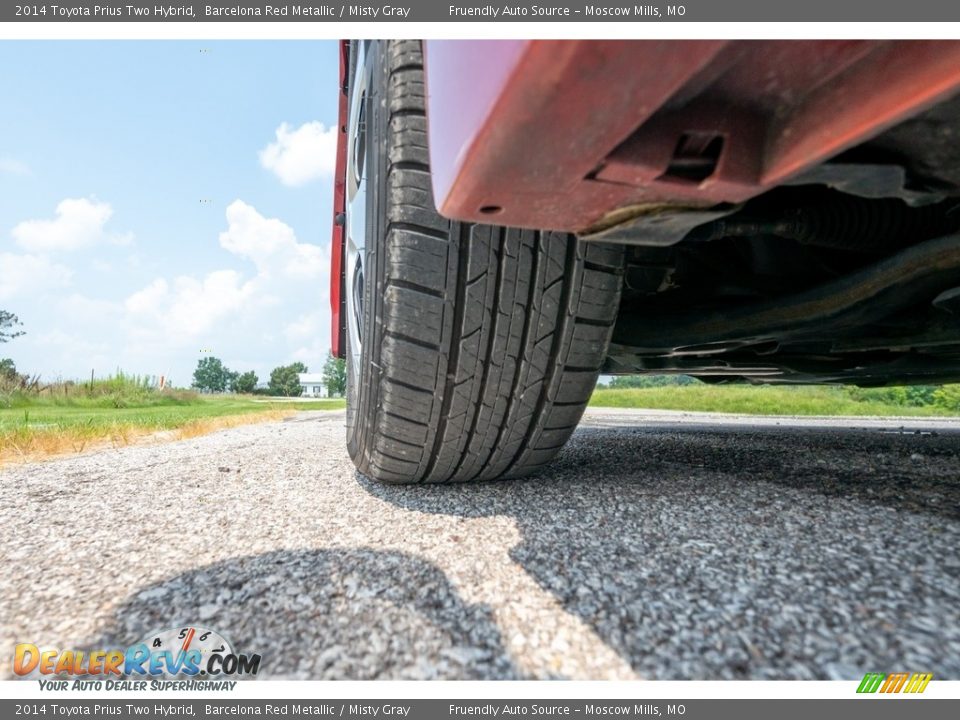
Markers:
<point>301,155</point>
<point>76,309</point>
<point>174,313</point>
<point>79,222</point>
<point>314,354</point>
<point>304,327</point>
<point>30,274</point>
<point>74,343</point>
<point>11,166</point>
<point>270,314</point>
<point>199,305</point>
<point>149,300</point>
<point>271,244</point>
<point>188,308</point>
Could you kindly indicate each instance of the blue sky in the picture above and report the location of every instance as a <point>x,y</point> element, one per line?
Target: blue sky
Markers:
<point>159,199</point>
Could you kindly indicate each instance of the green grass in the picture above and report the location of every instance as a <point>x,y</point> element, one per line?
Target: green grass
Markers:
<point>157,413</point>
<point>758,400</point>
<point>32,425</point>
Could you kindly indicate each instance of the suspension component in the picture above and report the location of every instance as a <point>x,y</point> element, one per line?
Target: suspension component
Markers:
<point>838,221</point>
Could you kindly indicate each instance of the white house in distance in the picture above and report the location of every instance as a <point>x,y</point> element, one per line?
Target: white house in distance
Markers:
<point>312,384</point>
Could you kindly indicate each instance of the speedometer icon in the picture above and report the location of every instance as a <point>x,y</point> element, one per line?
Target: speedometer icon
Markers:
<point>181,640</point>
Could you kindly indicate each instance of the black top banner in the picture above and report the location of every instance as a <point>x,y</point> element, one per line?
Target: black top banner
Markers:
<point>441,11</point>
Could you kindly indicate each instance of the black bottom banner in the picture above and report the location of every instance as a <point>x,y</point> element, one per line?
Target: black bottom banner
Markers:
<point>876,708</point>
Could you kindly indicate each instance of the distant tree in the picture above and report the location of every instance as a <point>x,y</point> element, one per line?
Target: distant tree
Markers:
<point>648,381</point>
<point>335,376</point>
<point>284,380</point>
<point>211,375</point>
<point>8,370</point>
<point>12,380</point>
<point>245,383</point>
<point>8,321</point>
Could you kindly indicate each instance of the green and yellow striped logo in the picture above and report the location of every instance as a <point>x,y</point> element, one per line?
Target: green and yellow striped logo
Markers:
<point>894,682</point>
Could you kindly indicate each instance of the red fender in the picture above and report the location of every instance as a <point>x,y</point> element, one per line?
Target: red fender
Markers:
<point>338,313</point>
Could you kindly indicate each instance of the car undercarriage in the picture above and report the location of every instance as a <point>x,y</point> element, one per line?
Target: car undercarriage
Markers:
<point>850,274</point>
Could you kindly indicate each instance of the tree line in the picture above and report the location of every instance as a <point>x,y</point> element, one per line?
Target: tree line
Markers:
<point>213,376</point>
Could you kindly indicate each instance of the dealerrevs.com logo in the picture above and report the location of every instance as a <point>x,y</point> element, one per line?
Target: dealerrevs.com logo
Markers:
<point>186,652</point>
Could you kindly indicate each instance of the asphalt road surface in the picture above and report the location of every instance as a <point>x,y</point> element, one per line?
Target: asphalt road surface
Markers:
<point>659,545</point>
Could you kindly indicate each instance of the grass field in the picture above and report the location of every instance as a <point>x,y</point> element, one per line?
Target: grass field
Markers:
<point>121,409</point>
<point>758,400</point>
<point>35,426</point>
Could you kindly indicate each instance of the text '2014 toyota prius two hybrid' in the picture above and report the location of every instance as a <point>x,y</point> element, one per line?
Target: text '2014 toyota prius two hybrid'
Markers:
<point>513,218</point>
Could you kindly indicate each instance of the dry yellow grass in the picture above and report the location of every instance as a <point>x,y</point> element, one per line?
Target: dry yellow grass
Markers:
<point>209,425</point>
<point>49,443</point>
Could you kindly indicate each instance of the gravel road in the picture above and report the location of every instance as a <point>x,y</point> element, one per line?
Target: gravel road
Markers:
<point>660,545</point>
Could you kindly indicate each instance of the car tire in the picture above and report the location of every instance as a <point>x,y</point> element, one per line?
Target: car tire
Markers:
<point>475,348</point>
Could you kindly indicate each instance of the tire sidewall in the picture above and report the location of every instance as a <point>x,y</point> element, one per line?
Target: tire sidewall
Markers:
<point>363,386</point>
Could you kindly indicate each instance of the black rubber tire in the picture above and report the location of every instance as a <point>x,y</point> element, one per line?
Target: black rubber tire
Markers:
<point>481,344</point>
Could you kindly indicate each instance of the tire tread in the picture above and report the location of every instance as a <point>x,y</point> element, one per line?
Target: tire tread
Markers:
<point>491,339</point>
